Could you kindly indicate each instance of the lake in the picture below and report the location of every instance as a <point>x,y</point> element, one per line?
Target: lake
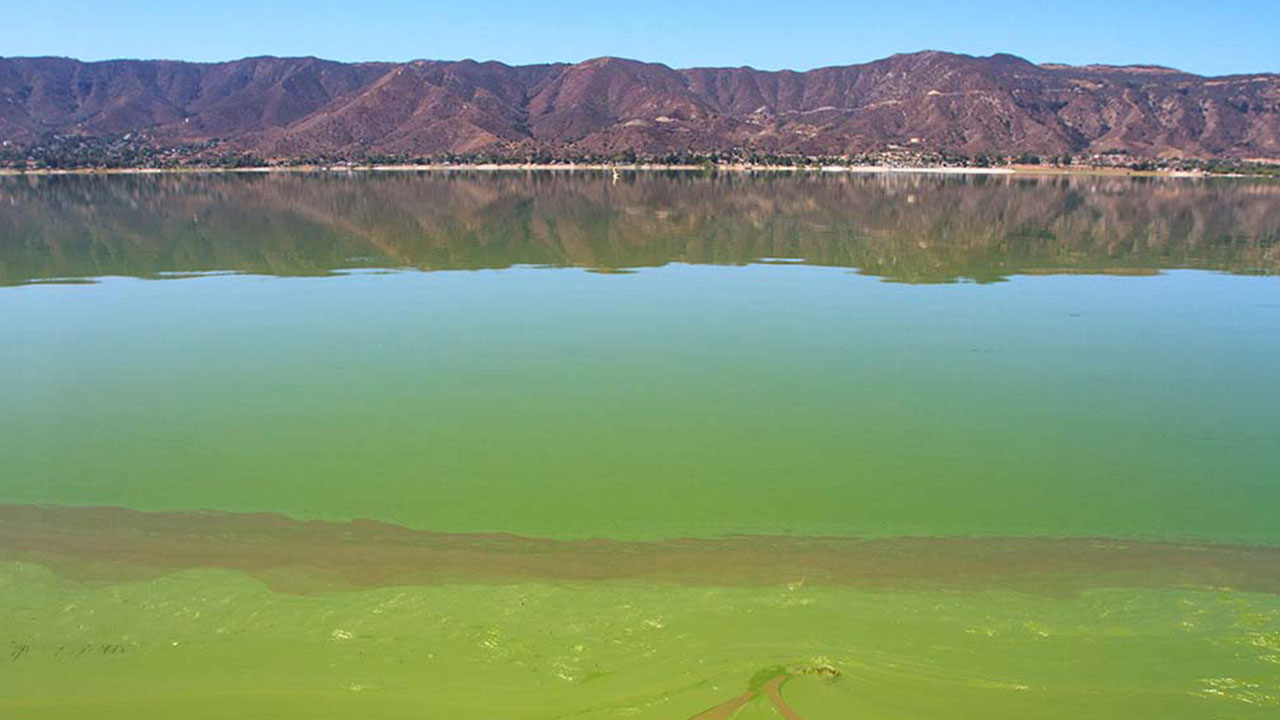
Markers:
<point>539,445</point>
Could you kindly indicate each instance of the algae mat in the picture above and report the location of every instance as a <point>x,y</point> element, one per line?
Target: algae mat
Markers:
<point>118,613</point>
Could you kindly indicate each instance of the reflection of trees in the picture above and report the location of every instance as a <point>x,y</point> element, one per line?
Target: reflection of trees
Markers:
<point>914,228</point>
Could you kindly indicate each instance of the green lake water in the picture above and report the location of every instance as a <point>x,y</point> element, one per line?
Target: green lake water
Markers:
<point>620,416</point>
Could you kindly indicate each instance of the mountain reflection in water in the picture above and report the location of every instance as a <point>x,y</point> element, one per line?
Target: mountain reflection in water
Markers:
<point>908,228</point>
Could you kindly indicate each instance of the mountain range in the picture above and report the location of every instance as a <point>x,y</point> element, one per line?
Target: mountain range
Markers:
<point>289,108</point>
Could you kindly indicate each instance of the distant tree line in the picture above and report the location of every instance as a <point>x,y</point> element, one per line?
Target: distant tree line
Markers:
<point>68,152</point>
<point>137,150</point>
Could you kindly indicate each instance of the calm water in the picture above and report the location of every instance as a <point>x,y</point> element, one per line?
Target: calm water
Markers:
<point>536,446</point>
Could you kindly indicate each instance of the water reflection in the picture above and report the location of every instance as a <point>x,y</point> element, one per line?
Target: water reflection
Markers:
<point>909,228</point>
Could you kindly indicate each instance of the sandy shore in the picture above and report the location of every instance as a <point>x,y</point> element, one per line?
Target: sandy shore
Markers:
<point>856,169</point>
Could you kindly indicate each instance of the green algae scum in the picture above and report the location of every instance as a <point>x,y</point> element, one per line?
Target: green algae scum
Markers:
<point>550,445</point>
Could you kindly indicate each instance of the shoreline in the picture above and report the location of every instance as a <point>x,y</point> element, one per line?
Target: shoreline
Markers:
<point>601,167</point>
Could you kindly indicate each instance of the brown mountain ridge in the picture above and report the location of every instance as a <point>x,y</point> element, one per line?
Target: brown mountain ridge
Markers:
<point>931,101</point>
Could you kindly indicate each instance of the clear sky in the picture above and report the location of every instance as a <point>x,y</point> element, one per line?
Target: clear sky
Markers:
<point>1215,37</point>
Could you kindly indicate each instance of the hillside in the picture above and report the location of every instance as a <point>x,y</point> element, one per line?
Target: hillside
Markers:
<point>288,108</point>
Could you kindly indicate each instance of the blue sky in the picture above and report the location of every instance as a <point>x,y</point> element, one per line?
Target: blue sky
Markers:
<point>1205,37</point>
